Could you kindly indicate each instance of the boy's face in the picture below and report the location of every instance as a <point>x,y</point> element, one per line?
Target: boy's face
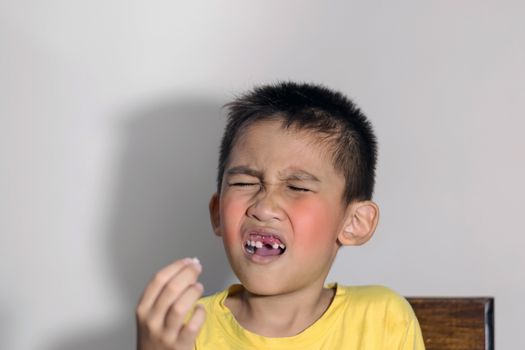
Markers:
<point>280,189</point>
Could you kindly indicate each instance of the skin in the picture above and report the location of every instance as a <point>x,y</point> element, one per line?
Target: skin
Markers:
<point>280,181</point>
<point>164,306</point>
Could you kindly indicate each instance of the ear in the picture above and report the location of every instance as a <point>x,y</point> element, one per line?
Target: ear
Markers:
<point>214,214</point>
<point>360,223</point>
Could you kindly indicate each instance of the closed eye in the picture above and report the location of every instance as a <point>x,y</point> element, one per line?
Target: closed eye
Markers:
<point>244,184</point>
<point>298,189</point>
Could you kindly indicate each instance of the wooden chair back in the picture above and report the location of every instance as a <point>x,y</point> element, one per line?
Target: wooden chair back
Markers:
<point>456,323</point>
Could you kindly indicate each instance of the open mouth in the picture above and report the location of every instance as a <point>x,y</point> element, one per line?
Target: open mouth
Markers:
<point>264,245</point>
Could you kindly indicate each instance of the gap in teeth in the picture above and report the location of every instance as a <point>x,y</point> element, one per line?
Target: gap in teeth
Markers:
<point>251,246</point>
<point>259,244</point>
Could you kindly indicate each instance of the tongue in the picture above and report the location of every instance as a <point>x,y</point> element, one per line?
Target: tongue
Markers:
<point>266,251</point>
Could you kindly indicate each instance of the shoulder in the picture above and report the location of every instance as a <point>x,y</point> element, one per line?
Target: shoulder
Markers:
<point>218,322</point>
<point>214,300</point>
<point>381,316</point>
<point>379,300</point>
<point>371,294</point>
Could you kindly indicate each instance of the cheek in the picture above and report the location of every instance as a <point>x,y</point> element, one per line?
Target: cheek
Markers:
<point>231,214</point>
<point>314,224</point>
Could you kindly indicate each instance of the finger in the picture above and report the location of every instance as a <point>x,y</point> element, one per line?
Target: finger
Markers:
<point>173,289</point>
<point>179,310</point>
<point>157,283</point>
<point>189,332</point>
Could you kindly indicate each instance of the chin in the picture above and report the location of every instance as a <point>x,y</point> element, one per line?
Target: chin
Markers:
<point>262,284</point>
<point>262,289</point>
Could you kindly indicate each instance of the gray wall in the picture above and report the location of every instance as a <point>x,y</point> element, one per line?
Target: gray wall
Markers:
<point>110,121</point>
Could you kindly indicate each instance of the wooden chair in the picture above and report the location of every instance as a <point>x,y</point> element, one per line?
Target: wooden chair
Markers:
<point>456,323</point>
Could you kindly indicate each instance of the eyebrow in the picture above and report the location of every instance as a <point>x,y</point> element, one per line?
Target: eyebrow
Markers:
<point>244,170</point>
<point>301,175</point>
<point>294,175</point>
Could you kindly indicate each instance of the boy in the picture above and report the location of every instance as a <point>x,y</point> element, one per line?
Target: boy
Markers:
<point>295,180</point>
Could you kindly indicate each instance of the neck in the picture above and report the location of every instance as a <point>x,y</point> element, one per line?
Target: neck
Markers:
<point>281,315</point>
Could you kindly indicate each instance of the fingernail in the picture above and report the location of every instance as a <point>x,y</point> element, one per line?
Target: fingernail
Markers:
<point>195,260</point>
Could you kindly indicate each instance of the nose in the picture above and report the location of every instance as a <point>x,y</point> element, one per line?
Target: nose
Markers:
<point>266,207</point>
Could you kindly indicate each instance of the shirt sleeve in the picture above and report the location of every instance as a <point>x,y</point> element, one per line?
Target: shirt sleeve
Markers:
<point>402,330</point>
<point>413,337</point>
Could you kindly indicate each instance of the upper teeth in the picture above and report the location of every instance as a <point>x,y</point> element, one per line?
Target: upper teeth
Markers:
<point>259,244</point>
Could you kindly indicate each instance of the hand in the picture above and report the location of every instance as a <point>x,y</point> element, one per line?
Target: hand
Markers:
<point>166,303</point>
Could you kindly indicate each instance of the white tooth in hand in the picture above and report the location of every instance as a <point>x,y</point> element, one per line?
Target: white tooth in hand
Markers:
<point>281,246</point>
<point>258,244</point>
<point>275,246</point>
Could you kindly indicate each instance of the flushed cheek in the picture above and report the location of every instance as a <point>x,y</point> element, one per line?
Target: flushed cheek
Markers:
<point>314,226</point>
<point>231,214</point>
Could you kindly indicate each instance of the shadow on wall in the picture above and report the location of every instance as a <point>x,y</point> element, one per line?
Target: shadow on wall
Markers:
<point>166,177</point>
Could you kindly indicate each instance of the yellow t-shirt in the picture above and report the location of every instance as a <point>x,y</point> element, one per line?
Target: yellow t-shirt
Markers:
<point>367,317</point>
